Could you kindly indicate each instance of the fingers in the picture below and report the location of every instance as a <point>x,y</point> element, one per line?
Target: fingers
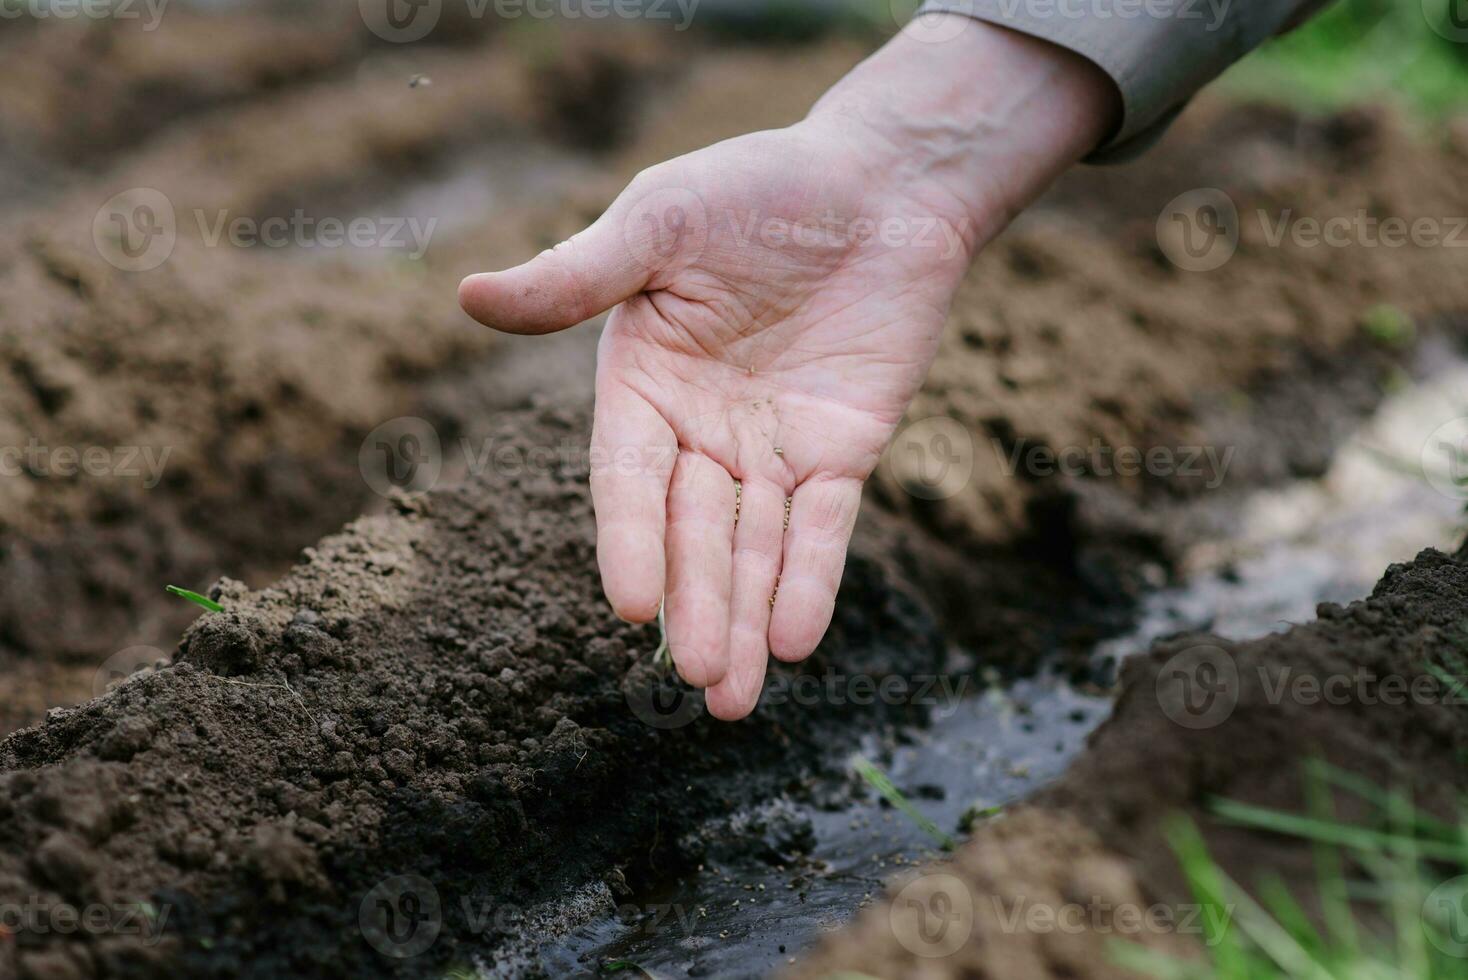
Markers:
<point>822,516</point>
<point>757,551</point>
<point>633,453</point>
<point>561,287</point>
<point>700,537</point>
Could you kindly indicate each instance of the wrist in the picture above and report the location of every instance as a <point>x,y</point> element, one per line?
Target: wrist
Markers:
<point>977,124</point>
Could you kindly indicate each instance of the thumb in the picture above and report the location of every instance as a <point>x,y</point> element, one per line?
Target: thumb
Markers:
<point>562,286</point>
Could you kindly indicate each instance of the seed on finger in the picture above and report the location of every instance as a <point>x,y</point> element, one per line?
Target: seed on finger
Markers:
<point>775,593</point>
<point>738,496</point>
<point>787,512</point>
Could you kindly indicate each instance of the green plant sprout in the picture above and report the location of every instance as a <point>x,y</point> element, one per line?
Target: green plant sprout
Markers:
<point>195,598</point>
<point>1400,860</point>
<point>977,814</point>
<point>1389,326</point>
<point>879,781</point>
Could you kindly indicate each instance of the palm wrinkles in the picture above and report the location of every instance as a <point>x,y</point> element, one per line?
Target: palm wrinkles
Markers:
<point>784,367</point>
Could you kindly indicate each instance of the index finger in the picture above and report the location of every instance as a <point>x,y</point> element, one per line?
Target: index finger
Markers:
<point>633,452</point>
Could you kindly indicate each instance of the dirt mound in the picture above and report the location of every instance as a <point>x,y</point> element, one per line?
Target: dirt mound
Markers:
<point>204,417</point>
<point>1359,688</point>
<point>84,88</point>
<point>440,692</point>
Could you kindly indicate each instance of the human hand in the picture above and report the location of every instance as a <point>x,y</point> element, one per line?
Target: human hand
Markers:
<point>779,298</point>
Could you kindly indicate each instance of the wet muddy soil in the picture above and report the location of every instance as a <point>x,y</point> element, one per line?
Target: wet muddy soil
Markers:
<point>991,743</point>
<point>1162,753</point>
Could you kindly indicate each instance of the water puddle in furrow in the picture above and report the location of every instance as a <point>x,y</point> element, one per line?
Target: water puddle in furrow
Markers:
<point>795,869</point>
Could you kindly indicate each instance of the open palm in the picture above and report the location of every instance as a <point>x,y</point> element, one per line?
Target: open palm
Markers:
<point>780,303</point>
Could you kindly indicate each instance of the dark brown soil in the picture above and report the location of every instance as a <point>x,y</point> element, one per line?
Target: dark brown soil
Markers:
<point>438,691</point>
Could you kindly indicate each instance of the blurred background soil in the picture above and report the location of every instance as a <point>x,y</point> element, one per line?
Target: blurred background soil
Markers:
<point>251,375</point>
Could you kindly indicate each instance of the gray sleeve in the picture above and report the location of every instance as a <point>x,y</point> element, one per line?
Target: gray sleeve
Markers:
<point>1158,52</point>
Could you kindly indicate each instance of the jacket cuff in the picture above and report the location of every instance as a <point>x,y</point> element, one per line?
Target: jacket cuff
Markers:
<point>1157,52</point>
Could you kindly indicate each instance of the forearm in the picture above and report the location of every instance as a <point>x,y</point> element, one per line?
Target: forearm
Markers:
<point>988,115</point>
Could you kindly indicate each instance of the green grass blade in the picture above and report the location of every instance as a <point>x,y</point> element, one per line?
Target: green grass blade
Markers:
<point>893,795</point>
<point>1230,958</point>
<point>1344,835</point>
<point>1335,900</point>
<point>194,597</point>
